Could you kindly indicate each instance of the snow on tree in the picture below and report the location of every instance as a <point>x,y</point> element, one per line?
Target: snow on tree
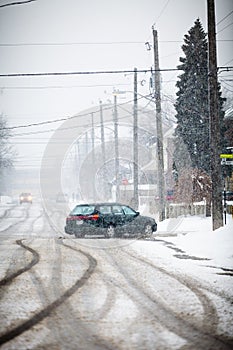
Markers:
<point>6,153</point>
<point>192,112</point>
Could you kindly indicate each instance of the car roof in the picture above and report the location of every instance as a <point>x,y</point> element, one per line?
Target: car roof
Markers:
<point>101,203</point>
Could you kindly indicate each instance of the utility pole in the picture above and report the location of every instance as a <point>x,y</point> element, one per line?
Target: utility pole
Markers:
<point>159,131</point>
<point>93,153</point>
<point>103,150</point>
<point>135,141</point>
<point>215,136</point>
<point>115,116</point>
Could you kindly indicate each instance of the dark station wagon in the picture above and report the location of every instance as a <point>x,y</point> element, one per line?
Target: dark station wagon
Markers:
<point>109,220</point>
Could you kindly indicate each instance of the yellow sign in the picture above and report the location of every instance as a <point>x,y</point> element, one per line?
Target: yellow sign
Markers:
<point>226,155</point>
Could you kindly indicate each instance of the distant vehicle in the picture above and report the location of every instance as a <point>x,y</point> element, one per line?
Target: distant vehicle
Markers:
<point>25,198</point>
<point>109,220</point>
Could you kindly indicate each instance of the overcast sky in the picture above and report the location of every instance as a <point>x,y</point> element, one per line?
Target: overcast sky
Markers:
<point>104,35</point>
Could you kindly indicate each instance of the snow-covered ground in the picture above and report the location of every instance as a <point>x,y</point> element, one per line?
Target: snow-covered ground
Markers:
<point>183,276</point>
<point>192,234</point>
<point>195,236</point>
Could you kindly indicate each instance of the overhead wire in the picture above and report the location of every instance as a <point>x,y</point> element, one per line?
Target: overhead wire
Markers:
<point>95,123</point>
<point>17,3</point>
<point>151,70</point>
<point>224,83</point>
<point>2,75</point>
<point>94,43</point>
<point>161,12</point>
<point>82,43</point>
<point>223,19</point>
<point>63,119</point>
<point>60,86</point>
<point>224,28</point>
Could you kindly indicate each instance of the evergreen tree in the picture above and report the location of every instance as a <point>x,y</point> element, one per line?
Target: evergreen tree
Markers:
<point>192,102</point>
<point>5,149</point>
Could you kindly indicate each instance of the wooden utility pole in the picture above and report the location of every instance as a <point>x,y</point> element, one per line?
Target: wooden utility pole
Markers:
<point>215,135</point>
<point>159,131</point>
<point>135,140</point>
<point>116,145</point>
<point>103,151</point>
<point>93,153</point>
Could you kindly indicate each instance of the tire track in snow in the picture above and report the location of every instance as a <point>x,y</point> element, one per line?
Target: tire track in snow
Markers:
<point>110,298</point>
<point>25,212</point>
<point>161,312</point>
<point>36,257</point>
<point>39,316</point>
<point>205,334</point>
<point>78,327</point>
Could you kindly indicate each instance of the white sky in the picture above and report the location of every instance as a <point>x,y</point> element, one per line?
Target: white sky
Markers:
<point>87,24</point>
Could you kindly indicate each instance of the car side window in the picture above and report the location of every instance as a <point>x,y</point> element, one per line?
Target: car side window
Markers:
<point>104,209</point>
<point>128,211</point>
<point>117,210</point>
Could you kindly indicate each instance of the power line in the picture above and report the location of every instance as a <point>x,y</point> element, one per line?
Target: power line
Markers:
<point>65,118</point>
<point>60,86</point>
<point>161,12</point>
<point>95,43</point>
<point>17,3</point>
<point>72,43</point>
<point>84,43</point>
<point>37,124</point>
<point>228,62</point>
<point>83,73</point>
<point>224,28</point>
<point>224,18</point>
<point>9,75</point>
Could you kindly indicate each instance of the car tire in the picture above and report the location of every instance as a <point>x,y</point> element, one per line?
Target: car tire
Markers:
<point>79,235</point>
<point>110,231</point>
<point>148,231</point>
<point>68,232</point>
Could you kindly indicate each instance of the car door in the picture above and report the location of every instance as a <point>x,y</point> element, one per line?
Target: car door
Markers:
<point>106,217</point>
<point>118,215</point>
<point>130,220</point>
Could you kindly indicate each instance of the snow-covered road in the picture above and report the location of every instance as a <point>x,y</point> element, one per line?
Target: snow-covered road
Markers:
<point>58,292</point>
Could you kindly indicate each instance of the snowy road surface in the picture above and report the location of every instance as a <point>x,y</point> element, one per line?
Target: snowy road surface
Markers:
<point>58,292</point>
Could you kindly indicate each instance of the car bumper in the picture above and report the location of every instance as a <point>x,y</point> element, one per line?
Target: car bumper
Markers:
<point>84,230</point>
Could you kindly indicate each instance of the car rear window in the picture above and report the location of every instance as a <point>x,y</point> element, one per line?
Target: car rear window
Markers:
<point>83,210</point>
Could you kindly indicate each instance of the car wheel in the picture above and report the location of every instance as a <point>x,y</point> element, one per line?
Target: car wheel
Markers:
<point>148,231</point>
<point>110,231</point>
<point>79,235</point>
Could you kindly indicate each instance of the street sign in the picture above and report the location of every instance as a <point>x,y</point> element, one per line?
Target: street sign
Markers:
<point>225,162</point>
<point>226,155</point>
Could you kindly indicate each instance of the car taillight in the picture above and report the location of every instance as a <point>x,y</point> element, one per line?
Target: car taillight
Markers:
<point>71,218</point>
<point>93,217</point>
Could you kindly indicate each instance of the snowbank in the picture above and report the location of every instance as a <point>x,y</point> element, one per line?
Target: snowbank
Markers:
<point>194,235</point>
